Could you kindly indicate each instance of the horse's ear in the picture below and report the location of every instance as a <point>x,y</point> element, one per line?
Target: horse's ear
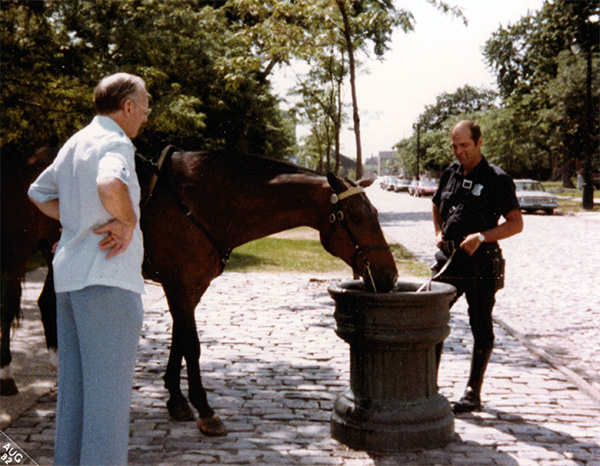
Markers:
<point>336,183</point>
<point>365,183</point>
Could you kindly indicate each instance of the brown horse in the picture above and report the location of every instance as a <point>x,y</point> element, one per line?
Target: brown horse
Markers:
<point>206,204</point>
<point>203,205</point>
<point>25,230</point>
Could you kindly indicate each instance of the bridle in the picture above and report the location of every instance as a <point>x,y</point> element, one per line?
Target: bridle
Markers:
<point>337,216</point>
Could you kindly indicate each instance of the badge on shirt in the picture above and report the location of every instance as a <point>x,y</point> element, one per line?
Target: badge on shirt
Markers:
<point>477,189</point>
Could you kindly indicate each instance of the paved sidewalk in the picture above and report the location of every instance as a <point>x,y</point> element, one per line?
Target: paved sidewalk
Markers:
<point>273,366</point>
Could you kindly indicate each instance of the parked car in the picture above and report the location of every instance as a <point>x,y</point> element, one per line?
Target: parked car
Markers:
<point>391,186</point>
<point>412,187</point>
<point>532,196</point>
<point>385,180</point>
<point>402,185</point>
<point>426,188</point>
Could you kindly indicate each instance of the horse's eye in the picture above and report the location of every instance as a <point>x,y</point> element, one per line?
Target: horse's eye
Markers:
<point>356,219</point>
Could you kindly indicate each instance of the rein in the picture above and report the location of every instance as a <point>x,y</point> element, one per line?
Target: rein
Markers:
<point>337,215</point>
<point>157,167</point>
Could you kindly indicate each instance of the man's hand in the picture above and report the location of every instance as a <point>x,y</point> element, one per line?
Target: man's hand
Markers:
<point>471,243</point>
<point>439,238</point>
<point>117,239</point>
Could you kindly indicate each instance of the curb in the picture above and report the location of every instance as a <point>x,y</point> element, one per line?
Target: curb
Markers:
<point>576,379</point>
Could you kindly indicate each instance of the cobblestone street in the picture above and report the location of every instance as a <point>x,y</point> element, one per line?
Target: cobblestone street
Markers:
<point>273,366</point>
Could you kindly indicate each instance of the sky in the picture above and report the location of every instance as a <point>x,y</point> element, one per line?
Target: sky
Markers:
<point>440,55</point>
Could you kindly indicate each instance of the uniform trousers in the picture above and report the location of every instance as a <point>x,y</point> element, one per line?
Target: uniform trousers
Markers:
<point>474,277</point>
<point>98,334</point>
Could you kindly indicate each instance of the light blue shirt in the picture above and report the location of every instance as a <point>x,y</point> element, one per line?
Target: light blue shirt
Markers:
<point>100,150</point>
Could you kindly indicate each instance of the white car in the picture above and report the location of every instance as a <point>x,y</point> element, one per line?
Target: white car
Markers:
<point>532,196</point>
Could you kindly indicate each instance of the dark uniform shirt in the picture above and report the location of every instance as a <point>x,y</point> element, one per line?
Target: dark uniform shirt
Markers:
<point>473,203</point>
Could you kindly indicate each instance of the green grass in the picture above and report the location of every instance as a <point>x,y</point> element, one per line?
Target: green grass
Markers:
<point>306,256</point>
<point>569,200</point>
<point>300,255</point>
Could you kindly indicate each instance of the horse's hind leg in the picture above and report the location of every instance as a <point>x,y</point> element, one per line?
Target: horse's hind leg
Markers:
<point>10,303</point>
<point>47,304</point>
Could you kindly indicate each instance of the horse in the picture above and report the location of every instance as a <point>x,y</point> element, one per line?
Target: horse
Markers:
<point>25,230</point>
<point>199,206</point>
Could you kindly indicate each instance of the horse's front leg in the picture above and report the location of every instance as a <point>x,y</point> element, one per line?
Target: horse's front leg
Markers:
<point>186,344</point>
<point>178,407</point>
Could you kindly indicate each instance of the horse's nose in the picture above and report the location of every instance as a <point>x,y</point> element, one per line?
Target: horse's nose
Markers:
<point>387,282</point>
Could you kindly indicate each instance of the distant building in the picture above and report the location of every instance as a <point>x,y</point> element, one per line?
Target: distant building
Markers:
<point>383,164</point>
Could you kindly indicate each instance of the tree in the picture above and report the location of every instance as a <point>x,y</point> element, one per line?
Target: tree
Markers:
<point>434,126</point>
<point>320,104</point>
<point>466,99</point>
<point>543,81</point>
<point>208,90</point>
<point>373,20</point>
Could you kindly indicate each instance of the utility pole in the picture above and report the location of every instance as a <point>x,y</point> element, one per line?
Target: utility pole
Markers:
<point>417,126</point>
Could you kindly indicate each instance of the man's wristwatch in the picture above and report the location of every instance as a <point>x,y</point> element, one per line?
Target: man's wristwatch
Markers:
<point>481,238</point>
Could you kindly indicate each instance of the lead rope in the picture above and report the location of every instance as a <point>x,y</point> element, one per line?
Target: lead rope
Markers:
<point>363,258</point>
<point>427,284</point>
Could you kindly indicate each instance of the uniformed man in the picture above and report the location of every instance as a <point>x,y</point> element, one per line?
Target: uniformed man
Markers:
<point>472,196</point>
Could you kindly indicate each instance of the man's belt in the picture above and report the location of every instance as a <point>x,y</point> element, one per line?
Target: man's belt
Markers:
<point>448,247</point>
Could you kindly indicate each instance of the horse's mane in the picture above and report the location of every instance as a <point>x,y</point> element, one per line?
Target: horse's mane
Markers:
<point>256,164</point>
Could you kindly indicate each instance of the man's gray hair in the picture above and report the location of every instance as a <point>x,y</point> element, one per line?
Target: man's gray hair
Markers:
<point>112,92</point>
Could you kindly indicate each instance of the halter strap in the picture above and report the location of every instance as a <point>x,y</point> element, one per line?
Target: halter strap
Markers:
<point>335,198</point>
<point>359,251</point>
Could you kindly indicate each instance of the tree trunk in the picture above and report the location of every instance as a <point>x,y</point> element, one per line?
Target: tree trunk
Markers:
<point>356,118</point>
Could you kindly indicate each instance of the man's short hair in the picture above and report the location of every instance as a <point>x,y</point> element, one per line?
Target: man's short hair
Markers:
<point>112,92</point>
<point>473,127</point>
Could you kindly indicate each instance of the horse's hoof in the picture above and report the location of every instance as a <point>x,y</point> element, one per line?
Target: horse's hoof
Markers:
<point>8,387</point>
<point>212,427</point>
<point>180,410</point>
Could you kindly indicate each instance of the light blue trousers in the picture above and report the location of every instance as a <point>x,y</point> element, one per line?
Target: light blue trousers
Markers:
<point>98,334</point>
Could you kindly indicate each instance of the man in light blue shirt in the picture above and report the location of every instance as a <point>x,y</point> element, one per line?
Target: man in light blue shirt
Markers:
<point>93,190</point>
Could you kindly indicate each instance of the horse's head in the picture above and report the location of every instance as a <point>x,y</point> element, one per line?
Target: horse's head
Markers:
<point>352,233</point>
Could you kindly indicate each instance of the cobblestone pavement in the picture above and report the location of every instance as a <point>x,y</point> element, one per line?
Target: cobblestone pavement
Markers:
<point>273,366</point>
<point>551,296</point>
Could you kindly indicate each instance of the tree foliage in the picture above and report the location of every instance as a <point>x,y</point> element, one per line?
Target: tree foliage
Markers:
<point>541,75</point>
<point>207,80</point>
<point>434,127</point>
<point>541,126</point>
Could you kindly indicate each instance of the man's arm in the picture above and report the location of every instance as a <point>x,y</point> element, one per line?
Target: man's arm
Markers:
<point>115,198</point>
<point>437,224</point>
<point>512,226</point>
<point>50,208</point>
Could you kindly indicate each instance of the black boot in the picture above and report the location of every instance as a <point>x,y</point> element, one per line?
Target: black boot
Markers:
<point>471,400</point>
